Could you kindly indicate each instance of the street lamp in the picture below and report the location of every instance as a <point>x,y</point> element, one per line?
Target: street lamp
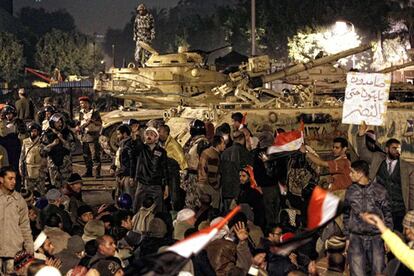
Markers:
<point>341,28</point>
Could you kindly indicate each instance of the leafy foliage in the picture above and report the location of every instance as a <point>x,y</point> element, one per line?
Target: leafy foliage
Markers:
<point>71,52</point>
<point>11,57</point>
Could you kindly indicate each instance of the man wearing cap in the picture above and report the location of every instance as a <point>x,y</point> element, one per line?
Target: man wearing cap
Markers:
<point>24,106</point>
<point>152,171</point>
<point>74,192</point>
<point>30,163</point>
<point>144,31</point>
<point>54,198</point>
<point>90,128</point>
<point>185,220</point>
<point>15,233</point>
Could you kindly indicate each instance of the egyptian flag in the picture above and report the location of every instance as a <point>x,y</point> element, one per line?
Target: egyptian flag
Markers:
<point>253,184</point>
<point>323,208</point>
<point>287,141</point>
<point>244,121</point>
<point>174,258</point>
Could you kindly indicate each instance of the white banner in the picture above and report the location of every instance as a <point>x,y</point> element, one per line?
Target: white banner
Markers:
<point>366,97</point>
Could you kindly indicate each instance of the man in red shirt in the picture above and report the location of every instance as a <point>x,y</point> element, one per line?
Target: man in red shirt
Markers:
<point>339,168</point>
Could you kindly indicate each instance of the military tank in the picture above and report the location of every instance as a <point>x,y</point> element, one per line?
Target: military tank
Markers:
<point>166,80</point>
<point>159,90</point>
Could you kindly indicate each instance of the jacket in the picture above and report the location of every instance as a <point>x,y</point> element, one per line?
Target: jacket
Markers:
<point>225,256</point>
<point>152,166</point>
<point>30,158</point>
<point>176,152</point>
<point>53,209</point>
<point>406,170</point>
<point>15,233</point>
<point>25,109</point>
<point>208,168</point>
<point>371,198</point>
<point>90,131</point>
<point>126,158</point>
<point>400,250</point>
<point>232,160</point>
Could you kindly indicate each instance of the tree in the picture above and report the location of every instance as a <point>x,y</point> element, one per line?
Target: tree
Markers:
<point>41,22</point>
<point>11,57</point>
<point>72,53</point>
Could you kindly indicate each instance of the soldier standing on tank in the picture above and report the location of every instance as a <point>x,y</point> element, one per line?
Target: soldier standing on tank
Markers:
<point>193,150</point>
<point>30,163</point>
<point>144,31</point>
<point>90,125</point>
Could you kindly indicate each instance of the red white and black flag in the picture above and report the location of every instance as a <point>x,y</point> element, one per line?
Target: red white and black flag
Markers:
<point>174,258</point>
<point>323,208</point>
<point>287,141</point>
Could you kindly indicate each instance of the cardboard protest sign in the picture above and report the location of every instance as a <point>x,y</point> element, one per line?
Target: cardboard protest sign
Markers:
<point>366,97</point>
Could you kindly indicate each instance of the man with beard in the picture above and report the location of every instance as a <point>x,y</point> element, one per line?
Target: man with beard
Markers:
<point>15,233</point>
<point>395,174</point>
<point>193,150</point>
<point>339,168</point>
<point>57,144</point>
<point>30,163</point>
<point>90,129</point>
<point>176,163</point>
<point>152,171</point>
<point>144,31</point>
<point>125,162</point>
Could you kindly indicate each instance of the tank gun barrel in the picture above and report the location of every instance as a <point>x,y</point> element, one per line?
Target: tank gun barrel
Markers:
<point>211,51</point>
<point>396,67</point>
<point>259,81</point>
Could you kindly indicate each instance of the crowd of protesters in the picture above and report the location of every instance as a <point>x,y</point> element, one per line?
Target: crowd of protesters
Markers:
<point>166,192</point>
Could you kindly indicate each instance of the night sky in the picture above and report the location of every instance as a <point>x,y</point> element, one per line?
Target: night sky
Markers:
<point>95,15</point>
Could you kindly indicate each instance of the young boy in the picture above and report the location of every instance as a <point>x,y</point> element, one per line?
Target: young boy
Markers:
<point>365,247</point>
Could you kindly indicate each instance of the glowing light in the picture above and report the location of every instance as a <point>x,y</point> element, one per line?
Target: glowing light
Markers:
<point>340,37</point>
<point>340,27</point>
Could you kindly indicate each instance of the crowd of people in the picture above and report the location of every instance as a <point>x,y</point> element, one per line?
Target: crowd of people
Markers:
<point>166,192</point>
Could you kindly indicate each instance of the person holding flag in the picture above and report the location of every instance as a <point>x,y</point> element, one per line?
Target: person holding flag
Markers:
<point>339,167</point>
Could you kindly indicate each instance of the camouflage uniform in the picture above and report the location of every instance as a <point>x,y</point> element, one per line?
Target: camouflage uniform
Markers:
<point>90,140</point>
<point>59,159</point>
<point>143,32</point>
<point>189,184</point>
<point>30,164</point>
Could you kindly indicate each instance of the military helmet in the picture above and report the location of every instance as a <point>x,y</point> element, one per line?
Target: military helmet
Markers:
<point>9,109</point>
<point>124,201</point>
<point>197,127</point>
<point>34,125</point>
<point>50,109</point>
<point>141,7</point>
<point>55,118</point>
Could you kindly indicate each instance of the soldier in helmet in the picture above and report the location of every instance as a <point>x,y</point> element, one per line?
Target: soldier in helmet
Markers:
<point>144,31</point>
<point>48,111</point>
<point>30,162</point>
<point>193,150</point>
<point>13,131</point>
<point>90,128</point>
<point>57,144</point>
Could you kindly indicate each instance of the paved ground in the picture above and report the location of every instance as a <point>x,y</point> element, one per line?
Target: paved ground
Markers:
<point>95,191</point>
